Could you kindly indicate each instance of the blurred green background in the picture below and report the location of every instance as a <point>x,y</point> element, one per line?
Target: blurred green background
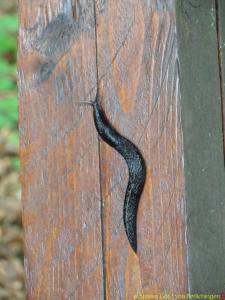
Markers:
<point>11,242</point>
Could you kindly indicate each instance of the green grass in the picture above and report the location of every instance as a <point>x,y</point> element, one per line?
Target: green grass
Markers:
<point>8,87</point>
<point>8,48</point>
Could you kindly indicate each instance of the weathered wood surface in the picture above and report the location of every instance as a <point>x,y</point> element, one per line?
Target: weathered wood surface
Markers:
<point>61,179</point>
<point>139,84</point>
<point>74,184</point>
<point>59,151</point>
<point>203,145</point>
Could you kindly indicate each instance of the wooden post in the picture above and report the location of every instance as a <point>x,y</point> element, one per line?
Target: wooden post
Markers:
<point>151,69</point>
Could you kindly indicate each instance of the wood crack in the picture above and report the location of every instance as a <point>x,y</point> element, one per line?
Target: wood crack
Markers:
<point>220,72</point>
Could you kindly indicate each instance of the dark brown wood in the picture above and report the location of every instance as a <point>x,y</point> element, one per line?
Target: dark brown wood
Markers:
<point>139,84</point>
<point>59,151</point>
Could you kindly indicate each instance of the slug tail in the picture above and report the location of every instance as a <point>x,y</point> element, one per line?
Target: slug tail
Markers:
<point>130,215</point>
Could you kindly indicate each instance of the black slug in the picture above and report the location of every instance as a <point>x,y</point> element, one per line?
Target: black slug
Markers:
<point>136,166</point>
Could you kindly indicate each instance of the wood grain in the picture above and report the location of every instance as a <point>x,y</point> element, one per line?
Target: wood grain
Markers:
<point>139,85</point>
<point>59,150</point>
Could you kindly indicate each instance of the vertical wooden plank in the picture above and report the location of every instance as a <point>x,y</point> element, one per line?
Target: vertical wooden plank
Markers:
<point>139,84</point>
<point>59,150</point>
<point>220,6</point>
<point>203,145</point>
